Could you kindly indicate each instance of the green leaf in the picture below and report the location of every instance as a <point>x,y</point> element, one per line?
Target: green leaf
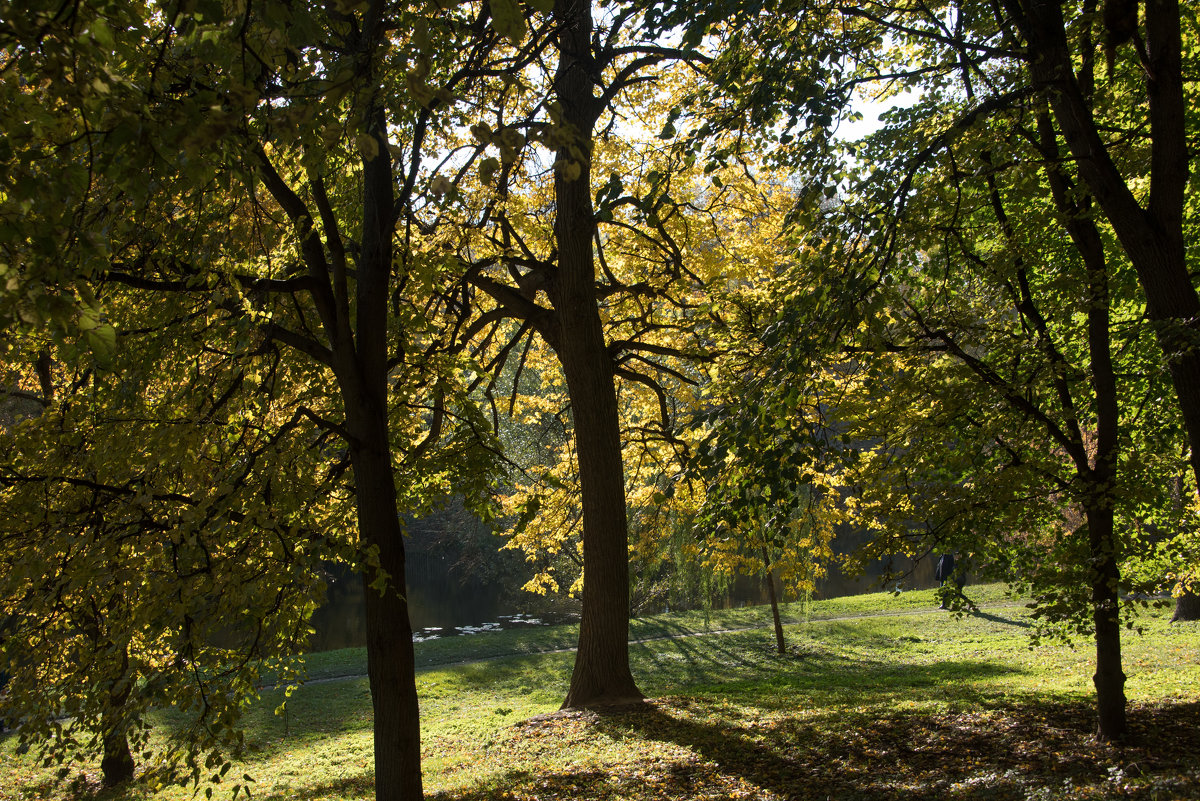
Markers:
<point>508,21</point>
<point>99,336</point>
<point>487,170</point>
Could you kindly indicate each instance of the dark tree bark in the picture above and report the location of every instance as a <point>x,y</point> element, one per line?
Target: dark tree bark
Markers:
<point>356,352</point>
<point>1094,472</point>
<point>362,371</point>
<point>601,674</point>
<point>1151,235</point>
<point>1097,473</point>
<point>1109,678</point>
<point>780,645</point>
<point>390,659</point>
<point>117,765</point>
<point>1187,607</point>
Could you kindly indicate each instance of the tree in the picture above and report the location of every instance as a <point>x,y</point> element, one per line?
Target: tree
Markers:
<point>1186,607</point>
<point>786,536</point>
<point>1124,126</point>
<point>601,672</point>
<point>972,73</point>
<point>556,280</point>
<point>142,511</point>
<point>979,338</point>
<point>1147,93</point>
<point>1044,381</point>
<point>297,135</point>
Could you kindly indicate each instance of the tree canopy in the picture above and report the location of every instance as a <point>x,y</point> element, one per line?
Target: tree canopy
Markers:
<point>274,275</point>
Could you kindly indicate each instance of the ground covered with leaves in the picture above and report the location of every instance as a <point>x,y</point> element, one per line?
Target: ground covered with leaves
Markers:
<point>683,748</point>
<point>914,705</point>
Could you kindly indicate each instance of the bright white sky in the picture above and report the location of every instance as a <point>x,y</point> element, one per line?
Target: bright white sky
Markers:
<point>871,109</point>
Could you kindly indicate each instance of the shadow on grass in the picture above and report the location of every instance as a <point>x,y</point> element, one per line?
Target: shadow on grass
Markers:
<point>323,710</point>
<point>516,642</point>
<point>1026,746</point>
<point>347,787</point>
<point>1008,621</point>
<point>359,786</point>
<point>693,659</point>
<point>1001,749</point>
<point>312,712</point>
<point>743,662</point>
<point>658,629</point>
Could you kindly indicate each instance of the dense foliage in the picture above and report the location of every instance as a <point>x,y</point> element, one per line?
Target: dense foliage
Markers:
<point>275,276</point>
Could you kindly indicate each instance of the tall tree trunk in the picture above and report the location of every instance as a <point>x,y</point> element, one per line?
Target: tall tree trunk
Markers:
<point>117,765</point>
<point>1109,677</point>
<point>780,645</point>
<point>1152,236</point>
<point>363,376</point>
<point>1100,474</point>
<point>390,658</point>
<point>1106,603</point>
<point>601,674</point>
<point>357,353</point>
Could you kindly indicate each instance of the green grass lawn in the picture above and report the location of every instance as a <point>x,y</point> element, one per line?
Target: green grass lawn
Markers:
<point>488,645</point>
<point>917,704</point>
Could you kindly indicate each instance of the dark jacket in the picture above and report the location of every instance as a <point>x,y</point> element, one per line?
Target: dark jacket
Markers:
<point>945,567</point>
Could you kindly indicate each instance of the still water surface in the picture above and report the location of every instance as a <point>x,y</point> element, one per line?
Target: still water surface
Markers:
<point>443,606</point>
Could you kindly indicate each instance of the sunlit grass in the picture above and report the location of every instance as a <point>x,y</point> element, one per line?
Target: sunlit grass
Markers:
<point>964,703</point>
<point>452,650</point>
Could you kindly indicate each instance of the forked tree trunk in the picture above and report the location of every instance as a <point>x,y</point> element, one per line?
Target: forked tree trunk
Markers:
<point>601,674</point>
<point>358,341</point>
<point>1151,236</point>
<point>363,378</point>
<point>1097,472</point>
<point>1106,605</point>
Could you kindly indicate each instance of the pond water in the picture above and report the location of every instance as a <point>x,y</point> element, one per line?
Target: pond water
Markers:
<point>439,606</point>
<point>442,605</point>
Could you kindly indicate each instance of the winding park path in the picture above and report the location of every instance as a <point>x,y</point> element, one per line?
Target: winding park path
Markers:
<point>678,636</point>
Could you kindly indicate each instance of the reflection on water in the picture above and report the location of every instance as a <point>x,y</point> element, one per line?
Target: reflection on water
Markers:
<point>502,622</point>
<point>442,605</point>
<point>438,605</point>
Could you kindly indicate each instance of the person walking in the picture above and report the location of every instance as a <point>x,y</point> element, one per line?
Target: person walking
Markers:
<point>944,573</point>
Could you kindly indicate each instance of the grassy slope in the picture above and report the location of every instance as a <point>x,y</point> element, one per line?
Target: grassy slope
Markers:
<point>917,705</point>
<point>452,650</point>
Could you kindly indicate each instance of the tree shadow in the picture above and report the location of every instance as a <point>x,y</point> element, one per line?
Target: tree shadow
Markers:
<point>1027,746</point>
<point>1003,749</point>
<point>657,628</point>
<point>741,664</point>
<point>1008,621</point>
<point>86,787</point>
<point>701,659</point>
<point>358,786</point>
<point>316,710</point>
